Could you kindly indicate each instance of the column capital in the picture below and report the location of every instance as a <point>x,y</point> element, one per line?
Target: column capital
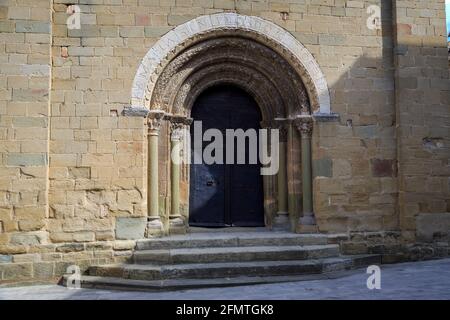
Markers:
<point>154,121</point>
<point>304,124</point>
<point>177,124</point>
<point>176,129</point>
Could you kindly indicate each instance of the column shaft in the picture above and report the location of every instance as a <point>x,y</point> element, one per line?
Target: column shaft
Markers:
<point>154,225</point>
<point>178,125</point>
<point>306,174</point>
<point>153,192</point>
<point>282,217</point>
<point>281,180</point>
<point>175,178</point>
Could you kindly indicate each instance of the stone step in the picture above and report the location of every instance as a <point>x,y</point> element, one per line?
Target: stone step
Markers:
<point>231,239</point>
<point>111,283</point>
<point>230,254</point>
<point>232,269</point>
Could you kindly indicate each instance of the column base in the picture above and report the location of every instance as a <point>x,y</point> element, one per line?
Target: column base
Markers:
<point>177,224</point>
<point>307,229</point>
<point>154,227</point>
<point>307,219</point>
<point>307,224</point>
<point>281,221</point>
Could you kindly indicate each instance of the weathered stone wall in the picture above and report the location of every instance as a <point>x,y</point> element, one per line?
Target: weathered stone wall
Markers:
<point>25,76</point>
<point>73,169</point>
<point>96,156</point>
<point>422,105</point>
<point>94,68</point>
<point>355,161</point>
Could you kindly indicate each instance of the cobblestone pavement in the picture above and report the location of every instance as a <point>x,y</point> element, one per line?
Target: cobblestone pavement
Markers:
<point>415,280</point>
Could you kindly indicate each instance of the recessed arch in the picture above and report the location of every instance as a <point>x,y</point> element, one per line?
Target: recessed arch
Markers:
<point>204,27</point>
<point>250,53</point>
<point>263,91</point>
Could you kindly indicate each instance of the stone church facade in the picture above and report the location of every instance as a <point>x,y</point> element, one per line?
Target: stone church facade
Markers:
<point>89,117</point>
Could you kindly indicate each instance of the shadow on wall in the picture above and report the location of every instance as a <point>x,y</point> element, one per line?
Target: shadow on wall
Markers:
<point>384,165</point>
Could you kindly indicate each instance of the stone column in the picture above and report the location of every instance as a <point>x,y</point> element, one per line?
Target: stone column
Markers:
<point>281,220</point>
<point>305,125</point>
<point>178,125</point>
<point>268,184</point>
<point>154,225</point>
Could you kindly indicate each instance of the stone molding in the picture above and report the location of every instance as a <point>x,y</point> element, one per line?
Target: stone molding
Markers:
<point>187,33</point>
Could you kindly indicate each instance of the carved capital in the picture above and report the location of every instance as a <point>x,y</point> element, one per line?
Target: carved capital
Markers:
<point>177,124</point>
<point>176,131</point>
<point>154,121</point>
<point>304,124</point>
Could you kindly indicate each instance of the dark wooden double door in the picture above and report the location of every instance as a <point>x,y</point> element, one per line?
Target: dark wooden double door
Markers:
<point>224,195</point>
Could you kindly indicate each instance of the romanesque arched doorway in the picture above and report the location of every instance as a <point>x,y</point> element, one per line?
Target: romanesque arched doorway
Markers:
<point>248,52</point>
<point>226,193</point>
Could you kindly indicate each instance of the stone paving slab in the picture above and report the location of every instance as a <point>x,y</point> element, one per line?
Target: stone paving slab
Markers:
<point>414,280</point>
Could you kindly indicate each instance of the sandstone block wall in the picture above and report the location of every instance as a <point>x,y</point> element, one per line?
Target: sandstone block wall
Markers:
<point>94,68</point>
<point>73,169</point>
<point>422,106</point>
<point>25,77</point>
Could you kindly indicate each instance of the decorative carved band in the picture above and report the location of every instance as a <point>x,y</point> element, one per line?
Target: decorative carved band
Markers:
<point>182,37</point>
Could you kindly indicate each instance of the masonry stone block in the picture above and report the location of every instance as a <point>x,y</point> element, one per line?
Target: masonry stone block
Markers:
<point>130,228</point>
<point>433,226</point>
<point>30,122</point>
<point>26,159</point>
<point>19,271</point>
<point>44,270</point>
<point>322,167</point>
<point>29,238</point>
<point>383,167</point>
<point>33,26</point>
<point>366,132</point>
<point>5,258</point>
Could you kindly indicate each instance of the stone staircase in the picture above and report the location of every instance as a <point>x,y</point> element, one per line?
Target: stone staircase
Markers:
<point>213,259</point>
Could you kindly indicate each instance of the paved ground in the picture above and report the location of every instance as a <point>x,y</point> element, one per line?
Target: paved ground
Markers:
<point>417,280</point>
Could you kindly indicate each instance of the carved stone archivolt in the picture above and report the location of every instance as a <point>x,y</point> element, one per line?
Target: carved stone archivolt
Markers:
<point>254,29</point>
<point>263,73</point>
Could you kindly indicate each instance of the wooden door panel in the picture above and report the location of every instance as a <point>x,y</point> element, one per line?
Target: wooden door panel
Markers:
<point>226,194</point>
